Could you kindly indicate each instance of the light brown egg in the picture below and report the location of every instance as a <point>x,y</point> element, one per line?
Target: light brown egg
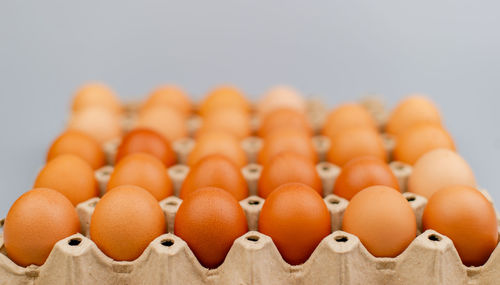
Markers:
<point>209,220</point>
<point>348,116</point>
<point>288,167</point>
<point>215,171</point>
<point>166,121</point>
<point>79,144</point>
<point>437,169</point>
<point>35,223</point>
<point>357,142</point>
<point>412,110</point>
<point>231,121</point>
<point>125,221</point>
<point>71,176</point>
<point>382,219</point>
<point>170,96</point>
<point>96,95</point>
<point>280,97</point>
<point>287,140</point>
<point>97,122</point>
<point>464,215</point>
<point>218,143</point>
<point>420,139</point>
<point>222,98</point>
<point>143,170</point>
<point>284,118</point>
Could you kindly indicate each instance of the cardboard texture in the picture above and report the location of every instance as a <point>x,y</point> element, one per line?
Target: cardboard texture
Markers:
<point>253,259</point>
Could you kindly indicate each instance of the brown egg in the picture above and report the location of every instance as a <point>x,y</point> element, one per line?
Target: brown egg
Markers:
<point>97,122</point>
<point>79,144</point>
<point>125,221</point>
<point>285,168</point>
<point>166,121</point>
<point>145,171</point>
<point>216,171</point>
<point>437,169</point>
<point>287,140</point>
<point>382,219</point>
<point>297,219</point>
<point>222,98</point>
<point>209,221</point>
<point>231,121</point>
<point>284,118</point>
<point>464,215</point>
<point>420,139</point>
<point>280,97</point>
<point>218,143</point>
<point>35,223</point>
<point>146,141</point>
<point>348,116</point>
<point>412,110</point>
<point>170,96</point>
<point>361,173</point>
<point>96,95</point>
<point>71,176</point>
<point>352,143</point>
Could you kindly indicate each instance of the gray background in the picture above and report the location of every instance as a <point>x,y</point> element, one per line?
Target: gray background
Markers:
<point>338,49</point>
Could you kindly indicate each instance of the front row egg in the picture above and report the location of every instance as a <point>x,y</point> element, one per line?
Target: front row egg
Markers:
<point>35,223</point>
<point>125,221</point>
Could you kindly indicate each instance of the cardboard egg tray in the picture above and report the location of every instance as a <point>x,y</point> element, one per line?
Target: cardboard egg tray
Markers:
<point>340,258</point>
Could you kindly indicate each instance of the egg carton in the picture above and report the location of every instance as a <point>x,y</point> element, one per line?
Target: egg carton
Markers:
<point>340,258</point>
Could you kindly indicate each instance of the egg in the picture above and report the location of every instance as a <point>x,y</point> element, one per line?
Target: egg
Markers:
<point>348,116</point>
<point>287,140</point>
<point>437,169</point>
<point>420,139</point>
<point>356,142</point>
<point>361,173</point>
<point>79,144</point>
<point>382,219</point>
<point>464,215</point>
<point>35,223</point>
<point>209,221</point>
<point>285,168</point>
<point>297,219</point>
<point>99,123</point>
<point>231,121</point>
<point>170,96</point>
<point>166,121</point>
<point>280,97</point>
<point>125,221</point>
<point>412,110</point>
<point>218,143</point>
<point>284,117</point>
<point>146,141</point>
<point>96,95</point>
<point>71,176</point>
<point>145,171</point>
<point>222,98</point>
<point>217,171</point>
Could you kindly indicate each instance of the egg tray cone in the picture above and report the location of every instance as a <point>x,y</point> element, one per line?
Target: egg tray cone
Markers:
<point>340,258</point>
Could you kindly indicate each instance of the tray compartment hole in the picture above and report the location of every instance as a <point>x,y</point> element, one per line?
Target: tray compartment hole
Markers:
<point>341,239</point>
<point>434,237</point>
<point>167,242</point>
<point>75,241</point>
<point>253,238</point>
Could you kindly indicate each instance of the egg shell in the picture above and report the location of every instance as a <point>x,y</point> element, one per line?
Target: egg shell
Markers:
<point>71,176</point>
<point>414,109</point>
<point>215,171</point>
<point>170,96</point>
<point>284,117</point>
<point>79,144</point>
<point>217,143</point>
<point>96,95</point>
<point>464,215</point>
<point>287,140</point>
<point>145,171</point>
<point>231,121</point>
<point>348,116</point>
<point>297,219</point>
<point>165,120</point>
<point>100,123</point>
<point>437,169</point>
<point>35,222</point>
<point>222,98</point>
<point>125,221</point>
<point>382,219</point>
<point>209,220</point>
<point>280,97</point>
<point>357,142</point>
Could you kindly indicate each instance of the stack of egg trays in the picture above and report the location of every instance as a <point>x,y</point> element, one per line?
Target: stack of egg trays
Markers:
<point>340,258</point>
